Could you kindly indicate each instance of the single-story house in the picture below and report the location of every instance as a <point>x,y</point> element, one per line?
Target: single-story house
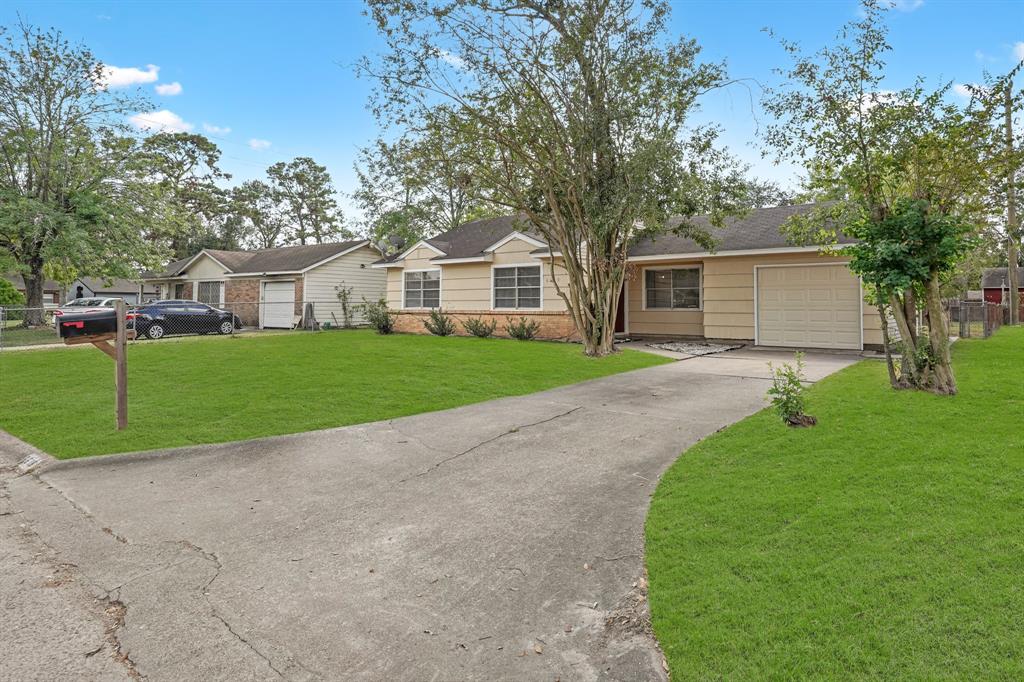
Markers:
<point>52,291</point>
<point>753,288</point>
<point>994,283</point>
<point>131,291</point>
<point>268,287</point>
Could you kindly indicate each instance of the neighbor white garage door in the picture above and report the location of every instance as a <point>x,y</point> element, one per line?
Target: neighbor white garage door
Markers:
<point>815,306</point>
<point>278,308</point>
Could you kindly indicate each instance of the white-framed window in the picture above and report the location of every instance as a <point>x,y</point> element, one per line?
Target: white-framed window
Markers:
<point>516,287</point>
<point>422,289</point>
<point>675,288</point>
<point>210,293</point>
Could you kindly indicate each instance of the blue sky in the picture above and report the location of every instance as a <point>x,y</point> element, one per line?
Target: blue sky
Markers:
<point>280,75</point>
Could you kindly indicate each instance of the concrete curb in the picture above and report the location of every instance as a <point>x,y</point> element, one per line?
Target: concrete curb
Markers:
<point>15,452</point>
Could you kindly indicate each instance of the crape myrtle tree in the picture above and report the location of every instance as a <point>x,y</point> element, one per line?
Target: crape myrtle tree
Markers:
<point>73,191</point>
<point>906,174</point>
<point>574,117</point>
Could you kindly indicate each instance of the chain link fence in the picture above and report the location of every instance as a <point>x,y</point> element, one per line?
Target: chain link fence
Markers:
<point>24,327</point>
<point>969,319</point>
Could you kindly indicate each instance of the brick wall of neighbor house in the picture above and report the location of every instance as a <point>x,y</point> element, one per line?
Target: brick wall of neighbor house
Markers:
<point>242,296</point>
<point>554,326</point>
<point>299,290</point>
<point>186,292</point>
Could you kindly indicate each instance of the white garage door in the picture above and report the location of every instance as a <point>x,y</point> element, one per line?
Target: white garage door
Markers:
<point>808,307</point>
<point>278,308</point>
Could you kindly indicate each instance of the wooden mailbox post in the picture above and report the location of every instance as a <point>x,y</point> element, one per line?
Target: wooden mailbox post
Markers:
<point>102,340</point>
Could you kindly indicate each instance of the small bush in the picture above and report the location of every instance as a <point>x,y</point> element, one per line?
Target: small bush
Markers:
<point>344,295</point>
<point>378,315</point>
<point>524,329</point>
<point>439,324</point>
<point>477,327</point>
<point>787,393</point>
<point>9,296</point>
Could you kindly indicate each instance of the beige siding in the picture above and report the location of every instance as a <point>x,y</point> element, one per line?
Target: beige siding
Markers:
<point>467,286</point>
<point>658,322</point>
<point>728,300</point>
<point>351,270</point>
<point>204,268</point>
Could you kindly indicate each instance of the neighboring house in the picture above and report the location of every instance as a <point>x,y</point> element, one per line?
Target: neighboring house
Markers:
<point>267,287</point>
<point>994,283</point>
<point>753,288</point>
<point>131,291</point>
<point>51,290</point>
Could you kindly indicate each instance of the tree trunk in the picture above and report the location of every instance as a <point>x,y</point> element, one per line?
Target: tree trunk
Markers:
<point>893,379</point>
<point>1012,235</point>
<point>942,380</point>
<point>34,316</point>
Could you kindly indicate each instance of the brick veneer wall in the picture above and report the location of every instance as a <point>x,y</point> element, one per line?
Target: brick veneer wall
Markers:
<point>555,326</point>
<point>242,296</point>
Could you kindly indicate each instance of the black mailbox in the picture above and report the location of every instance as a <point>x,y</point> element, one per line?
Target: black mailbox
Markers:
<point>87,324</point>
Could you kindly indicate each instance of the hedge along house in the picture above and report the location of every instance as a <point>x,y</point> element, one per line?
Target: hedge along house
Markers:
<point>753,288</point>
<point>268,287</point>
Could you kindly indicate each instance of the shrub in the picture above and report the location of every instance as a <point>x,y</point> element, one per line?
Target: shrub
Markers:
<point>477,327</point>
<point>439,324</point>
<point>524,329</point>
<point>378,315</point>
<point>344,295</point>
<point>787,393</point>
<point>9,296</point>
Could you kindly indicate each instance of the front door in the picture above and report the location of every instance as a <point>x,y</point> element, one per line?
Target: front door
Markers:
<point>620,315</point>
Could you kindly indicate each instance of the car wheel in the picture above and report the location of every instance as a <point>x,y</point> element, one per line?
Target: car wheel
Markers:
<point>155,331</point>
<point>226,327</point>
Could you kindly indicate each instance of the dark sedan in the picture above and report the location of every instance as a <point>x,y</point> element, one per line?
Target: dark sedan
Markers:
<point>162,318</point>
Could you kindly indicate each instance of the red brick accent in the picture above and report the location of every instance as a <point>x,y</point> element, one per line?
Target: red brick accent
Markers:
<point>554,326</point>
<point>242,296</point>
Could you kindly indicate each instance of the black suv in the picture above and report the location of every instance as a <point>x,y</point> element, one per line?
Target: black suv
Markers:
<point>162,318</point>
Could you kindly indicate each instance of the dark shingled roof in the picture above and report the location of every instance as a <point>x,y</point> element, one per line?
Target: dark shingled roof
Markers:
<point>279,259</point>
<point>470,239</point>
<point>758,229</point>
<point>997,278</point>
<point>19,283</point>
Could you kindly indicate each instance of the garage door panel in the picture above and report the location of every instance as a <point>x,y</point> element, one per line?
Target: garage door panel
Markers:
<point>813,307</point>
<point>278,307</point>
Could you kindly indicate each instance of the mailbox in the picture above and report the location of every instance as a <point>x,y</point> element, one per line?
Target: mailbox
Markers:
<point>103,322</point>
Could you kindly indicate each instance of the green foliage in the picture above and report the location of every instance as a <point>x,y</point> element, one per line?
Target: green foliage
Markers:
<point>378,315</point>
<point>255,206</point>
<point>521,329</point>
<point>439,324</point>
<point>479,328</point>
<point>9,296</point>
<point>305,190</point>
<point>344,295</point>
<point>787,392</point>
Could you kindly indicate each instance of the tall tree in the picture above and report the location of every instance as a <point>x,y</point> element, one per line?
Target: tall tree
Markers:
<point>185,165</point>
<point>72,188</point>
<point>907,174</point>
<point>255,205</point>
<point>417,186</point>
<point>1013,159</point>
<point>306,190</point>
<point>578,110</point>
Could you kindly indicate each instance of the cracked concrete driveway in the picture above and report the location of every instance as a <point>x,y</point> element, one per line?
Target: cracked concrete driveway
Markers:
<point>501,540</point>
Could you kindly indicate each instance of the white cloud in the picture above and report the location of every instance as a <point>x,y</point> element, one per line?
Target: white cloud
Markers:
<point>215,130</point>
<point>906,5</point>
<point>258,144</point>
<point>122,77</point>
<point>962,89</point>
<point>161,121</point>
<point>1018,50</point>
<point>452,59</point>
<point>168,89</point>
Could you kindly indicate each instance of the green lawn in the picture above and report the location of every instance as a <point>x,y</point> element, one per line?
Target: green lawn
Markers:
<point>887,542</point>
<point>209,390</point>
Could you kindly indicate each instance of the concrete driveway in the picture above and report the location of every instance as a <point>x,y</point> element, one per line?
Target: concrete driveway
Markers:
<point>501,540</point>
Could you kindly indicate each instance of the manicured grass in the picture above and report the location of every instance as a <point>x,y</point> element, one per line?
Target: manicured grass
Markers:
<point>887,542</point>
<point>209,390</point>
